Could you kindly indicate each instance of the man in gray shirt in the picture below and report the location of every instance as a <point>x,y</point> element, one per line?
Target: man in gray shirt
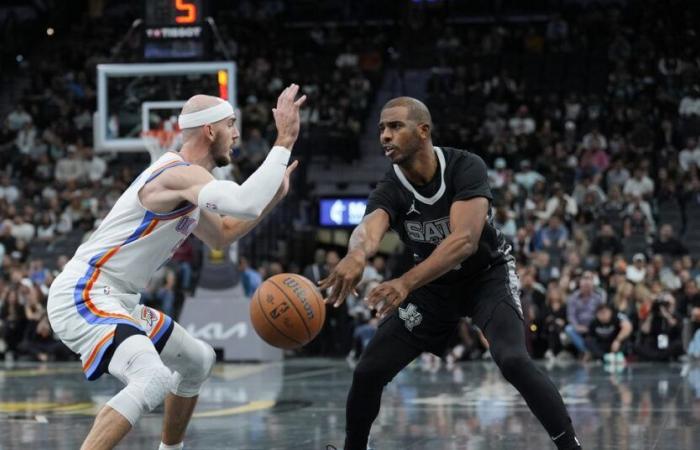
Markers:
<point>580,310</point>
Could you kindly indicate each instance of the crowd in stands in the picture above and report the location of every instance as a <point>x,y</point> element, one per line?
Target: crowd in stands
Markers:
<point>595,178</point>
<point>589,126</point>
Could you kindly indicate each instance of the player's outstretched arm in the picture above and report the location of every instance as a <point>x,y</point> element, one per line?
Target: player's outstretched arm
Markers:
<point>467,220</point>
<point>249,200</point>
<point>246,201</point>
<point>217,231</point>
<point>364,243</point>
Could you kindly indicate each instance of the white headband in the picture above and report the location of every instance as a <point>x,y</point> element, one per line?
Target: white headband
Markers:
<point>205,116</point>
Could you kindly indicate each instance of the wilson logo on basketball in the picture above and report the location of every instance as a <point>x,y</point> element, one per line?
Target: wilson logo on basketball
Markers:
<point>299,291</point>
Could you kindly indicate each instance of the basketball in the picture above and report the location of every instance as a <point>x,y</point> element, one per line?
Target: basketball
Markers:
<point>287,311</point>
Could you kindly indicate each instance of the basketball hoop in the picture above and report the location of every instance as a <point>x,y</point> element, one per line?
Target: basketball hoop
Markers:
<point>158,141</point>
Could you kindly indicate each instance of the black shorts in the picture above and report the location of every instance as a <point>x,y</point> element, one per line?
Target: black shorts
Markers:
<point>429,316</point>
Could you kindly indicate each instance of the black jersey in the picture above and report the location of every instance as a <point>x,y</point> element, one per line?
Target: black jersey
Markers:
<point>421,214</point>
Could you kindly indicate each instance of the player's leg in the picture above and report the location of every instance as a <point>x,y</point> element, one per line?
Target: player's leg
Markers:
<point>506,336</point>
<point>137,364</point>
<point>192,360</point>
<point>498,313</point>
<point>100,328</point>
<point>383,358</point>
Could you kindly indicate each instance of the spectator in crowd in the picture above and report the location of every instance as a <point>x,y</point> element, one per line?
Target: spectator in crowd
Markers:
<point>532,294</point>
<point>13,318</point>
<point>637,271</point>
<point>606,241</point>
<point>250,278</point>
<point>363,333</point>
<point>552,237</point>
<point>8,191</point>
<point>254,151</point>
<point>71,168</point>
<point>160,291</point>
<point>637,224</point>
<point>41,345</point>
<point>617,175</point>
<point>666,244</point>
<point>608,332</point>
<point>640,185</point>
<point>527,177</point>
<point>184,260</point>
<point>553,321</point>
<point>503,220</point>
<point>375,270</point>
<point>522,122</point>
<point>660,338</point>
<point>317,270</point>
<point>18,118</point>
<point>580,311</point>
<point>689,157</point>
<point>560,203</point>
<point>589,186</point>
<point>690,103</point>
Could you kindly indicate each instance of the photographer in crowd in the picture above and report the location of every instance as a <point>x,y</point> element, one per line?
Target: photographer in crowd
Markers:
<point>660,332</point>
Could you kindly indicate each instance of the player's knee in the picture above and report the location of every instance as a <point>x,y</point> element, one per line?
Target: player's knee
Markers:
<point>196,370</point>
<point>148,382</point>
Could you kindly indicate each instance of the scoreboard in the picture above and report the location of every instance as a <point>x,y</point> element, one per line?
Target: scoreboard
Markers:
<point>175,30</point>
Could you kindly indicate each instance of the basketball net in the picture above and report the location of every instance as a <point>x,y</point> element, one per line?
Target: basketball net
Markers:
<point>160,140</point>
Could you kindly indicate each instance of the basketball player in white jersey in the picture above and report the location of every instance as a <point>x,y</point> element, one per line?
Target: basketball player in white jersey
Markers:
<point>93,304</point>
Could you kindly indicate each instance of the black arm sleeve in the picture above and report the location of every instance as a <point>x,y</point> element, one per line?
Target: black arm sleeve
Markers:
<point>471,178</point>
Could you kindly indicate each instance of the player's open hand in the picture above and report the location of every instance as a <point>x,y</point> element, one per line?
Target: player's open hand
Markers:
<point>287,116</point>
<point>343,279</point>
<point>387,296</point>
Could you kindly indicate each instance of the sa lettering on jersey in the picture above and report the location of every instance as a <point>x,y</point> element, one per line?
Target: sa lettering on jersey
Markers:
<point>432,232</point>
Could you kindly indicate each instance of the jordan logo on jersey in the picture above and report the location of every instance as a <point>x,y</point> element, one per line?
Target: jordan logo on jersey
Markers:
<point>413,208</point>
<point>410,316</point>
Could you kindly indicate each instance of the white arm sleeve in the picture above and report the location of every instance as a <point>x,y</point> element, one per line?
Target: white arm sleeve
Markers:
<point>248,200</point>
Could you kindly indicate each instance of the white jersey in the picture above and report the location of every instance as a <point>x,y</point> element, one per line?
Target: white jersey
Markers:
<point>132,242</point>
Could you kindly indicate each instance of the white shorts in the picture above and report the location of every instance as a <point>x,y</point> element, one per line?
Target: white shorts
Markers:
<point>85,307</point>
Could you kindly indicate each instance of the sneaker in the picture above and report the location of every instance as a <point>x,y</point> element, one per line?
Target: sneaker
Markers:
<point>619,358</point>
<point>609,358</point>
<point>564,339</point>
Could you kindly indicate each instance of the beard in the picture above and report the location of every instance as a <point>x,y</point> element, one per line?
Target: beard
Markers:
<point>221,160</point>
<point>220,153</point>
<point>408,151</point>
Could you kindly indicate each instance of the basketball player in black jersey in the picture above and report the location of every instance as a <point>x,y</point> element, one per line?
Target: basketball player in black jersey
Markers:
<point>438,200</point>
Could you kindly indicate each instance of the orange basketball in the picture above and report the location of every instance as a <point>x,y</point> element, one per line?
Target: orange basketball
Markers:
<point>287,311</point>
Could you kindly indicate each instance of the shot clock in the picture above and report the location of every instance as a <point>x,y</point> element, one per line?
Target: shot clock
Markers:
<point>175,30</point>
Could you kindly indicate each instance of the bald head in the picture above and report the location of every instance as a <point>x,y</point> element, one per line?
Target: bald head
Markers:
<point>200,102</point>
<point>194,104</point>
<point>214,138</point>
<point>417,111</point>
